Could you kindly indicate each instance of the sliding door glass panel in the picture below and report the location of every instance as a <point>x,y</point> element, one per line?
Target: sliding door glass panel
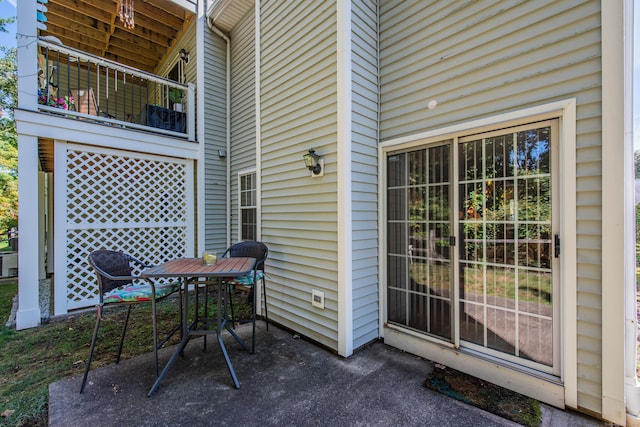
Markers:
<point>504,195</point>
<point>418,230</point>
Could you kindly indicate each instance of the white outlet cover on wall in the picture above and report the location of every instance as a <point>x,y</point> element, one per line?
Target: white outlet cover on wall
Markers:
<point>317,298</point>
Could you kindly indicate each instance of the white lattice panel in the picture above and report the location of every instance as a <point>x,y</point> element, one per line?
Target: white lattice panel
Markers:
<point>119,201</point>
<point>104,188</point>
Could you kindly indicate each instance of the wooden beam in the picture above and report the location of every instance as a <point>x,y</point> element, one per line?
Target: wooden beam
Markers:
<point>84,8</point>
<point>157,14</point>
<point>139,33</point>
<point>74,31</point>
<point>135,63</point>
<point>149,24</point>
<point>121,47</point>
<point>109,34</point>
<point>77,45</point>
<point>60,14</point>
<point>141,42</point>
<point>145,27</point>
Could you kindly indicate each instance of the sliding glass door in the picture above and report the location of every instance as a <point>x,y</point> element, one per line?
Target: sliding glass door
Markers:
<point>470,243</point>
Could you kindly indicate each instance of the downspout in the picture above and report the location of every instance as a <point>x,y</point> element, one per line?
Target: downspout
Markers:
<point>381,247</point>
<point>228,124</point>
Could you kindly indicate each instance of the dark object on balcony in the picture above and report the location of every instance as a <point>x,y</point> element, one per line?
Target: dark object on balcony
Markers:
<point>164,118</point>
<point>85,101</point>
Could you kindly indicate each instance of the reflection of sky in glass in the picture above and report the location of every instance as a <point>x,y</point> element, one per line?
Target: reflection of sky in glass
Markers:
<point>533,150</point>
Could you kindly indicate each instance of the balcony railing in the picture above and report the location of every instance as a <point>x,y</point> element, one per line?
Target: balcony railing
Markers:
<point>86,87</point>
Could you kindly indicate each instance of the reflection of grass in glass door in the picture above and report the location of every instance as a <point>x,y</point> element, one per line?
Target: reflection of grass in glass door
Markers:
<point>433,279</point>
<point>533,286</point>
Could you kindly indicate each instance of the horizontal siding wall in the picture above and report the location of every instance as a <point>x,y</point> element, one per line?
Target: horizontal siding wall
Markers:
<point>364,166</point>
<point>299,213</point>
<point>481,58</point>
<point>188,43</point>
<point>215,187</point>
<point>243,108</point>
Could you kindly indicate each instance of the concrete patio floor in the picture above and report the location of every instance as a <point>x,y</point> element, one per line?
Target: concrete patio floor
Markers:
<point>287,382</point>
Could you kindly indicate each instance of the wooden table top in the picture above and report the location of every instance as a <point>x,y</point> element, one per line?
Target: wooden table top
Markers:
<point>194,267</point>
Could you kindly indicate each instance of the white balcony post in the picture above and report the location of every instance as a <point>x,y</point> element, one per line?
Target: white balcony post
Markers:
<point>191,113</point>
<point>27,55</point>
<point>28,314</point>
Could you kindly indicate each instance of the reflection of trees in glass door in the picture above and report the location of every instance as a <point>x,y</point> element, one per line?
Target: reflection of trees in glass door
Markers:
<point>419,279</point>
<point>501,185</point>
<point>506,286</point>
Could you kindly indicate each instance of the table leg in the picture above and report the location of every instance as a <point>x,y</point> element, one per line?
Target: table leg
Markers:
<point>223,323</point>
<point>184,295</point>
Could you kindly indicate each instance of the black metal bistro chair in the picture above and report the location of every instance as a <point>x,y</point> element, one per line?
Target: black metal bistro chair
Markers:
<point>259,251</point>
<point>117,286</point>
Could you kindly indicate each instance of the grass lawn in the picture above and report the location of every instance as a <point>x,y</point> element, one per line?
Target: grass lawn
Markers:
<point>31,359</point>
<point>533,287</point>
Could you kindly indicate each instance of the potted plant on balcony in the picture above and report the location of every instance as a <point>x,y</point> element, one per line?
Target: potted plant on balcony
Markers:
<point>175,96</point>
<point>66,102</point>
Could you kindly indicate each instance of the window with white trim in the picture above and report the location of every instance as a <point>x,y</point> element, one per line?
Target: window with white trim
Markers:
<point>247,206</point>
<point>174,95</point>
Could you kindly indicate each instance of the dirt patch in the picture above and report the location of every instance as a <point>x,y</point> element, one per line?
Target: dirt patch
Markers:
<point>485,395</point>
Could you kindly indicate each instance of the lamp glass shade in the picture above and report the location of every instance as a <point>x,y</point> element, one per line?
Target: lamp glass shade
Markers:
<point>309,161</point>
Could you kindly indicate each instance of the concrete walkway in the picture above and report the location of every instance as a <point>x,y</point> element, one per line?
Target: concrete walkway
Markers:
<point>287,382</point>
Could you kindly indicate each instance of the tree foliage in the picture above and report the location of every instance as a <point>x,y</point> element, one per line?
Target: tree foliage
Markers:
<point>5,21</point>
<point>8,101</point>
<point>8,135</point>
<point>8,201</point>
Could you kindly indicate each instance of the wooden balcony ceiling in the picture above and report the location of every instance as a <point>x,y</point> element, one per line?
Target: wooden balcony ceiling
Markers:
<point>45,152</point>
<point>93,26</point>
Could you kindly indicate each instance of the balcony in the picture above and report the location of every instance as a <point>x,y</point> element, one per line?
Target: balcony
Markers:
<point>81,86</point>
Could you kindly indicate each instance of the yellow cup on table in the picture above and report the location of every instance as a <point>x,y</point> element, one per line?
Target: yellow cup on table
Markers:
<point>209,257</point>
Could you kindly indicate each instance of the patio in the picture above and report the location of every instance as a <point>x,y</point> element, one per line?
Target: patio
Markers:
<point>288,381</point>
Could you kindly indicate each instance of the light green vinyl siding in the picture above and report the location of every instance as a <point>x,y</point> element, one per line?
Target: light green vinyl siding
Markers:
<point>364,176</point>
<point>188,43</point>
<point>243,108</point>
<point>215,187</point>
<point>299,213</point>
<point>482,58</point>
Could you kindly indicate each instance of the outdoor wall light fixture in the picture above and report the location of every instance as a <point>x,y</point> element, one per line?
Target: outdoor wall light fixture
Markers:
<point>313,162</point>
<point>184,55</point>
